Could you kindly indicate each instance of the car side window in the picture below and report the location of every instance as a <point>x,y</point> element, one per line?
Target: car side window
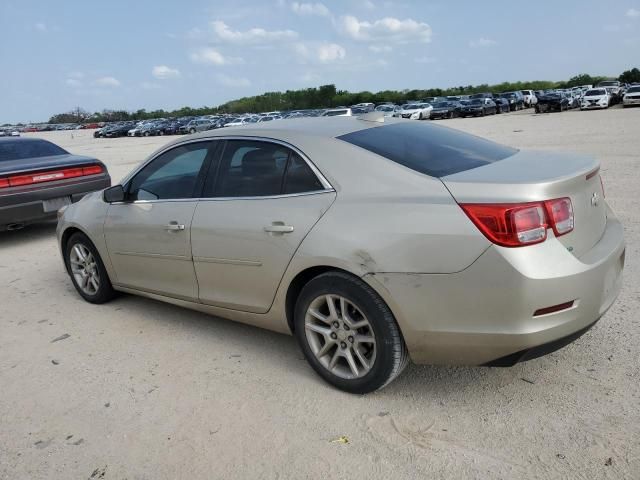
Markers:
<point>173,174</point>
<point>299,177</point>
<point>250,169</point>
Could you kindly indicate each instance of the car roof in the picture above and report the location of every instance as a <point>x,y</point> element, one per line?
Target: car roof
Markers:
<point>22,139</point>
<point>289,129</point>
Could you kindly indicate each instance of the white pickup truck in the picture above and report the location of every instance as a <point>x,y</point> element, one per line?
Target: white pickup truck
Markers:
<point>530,98</point>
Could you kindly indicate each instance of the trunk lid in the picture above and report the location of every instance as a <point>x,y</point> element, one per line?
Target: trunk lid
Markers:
<point>530,176</point>
<point>24,165</point>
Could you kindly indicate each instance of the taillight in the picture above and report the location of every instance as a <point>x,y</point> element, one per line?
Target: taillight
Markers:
<point>520,224</point>
<point>561,214</point>
<point>49,176</point>
<point>509,225</point>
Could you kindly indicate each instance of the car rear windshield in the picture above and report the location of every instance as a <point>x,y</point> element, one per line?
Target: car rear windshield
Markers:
<point>21,149</point>
<point>430,149</point>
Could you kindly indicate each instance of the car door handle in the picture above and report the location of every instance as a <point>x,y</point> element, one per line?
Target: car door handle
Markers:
<point>278,227</point>
<point>174,227</point>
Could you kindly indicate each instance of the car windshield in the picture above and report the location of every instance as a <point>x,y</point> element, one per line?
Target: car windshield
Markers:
<point>595,93</point>
<point>23,149</point>
<point>476,101</point>
<point>609,84</point>
<point>441,105</point>
<point>633,90</point>
<point>335,113</point>
<point>409,106</point>
<point>385,108</point>
<point>430,149</point>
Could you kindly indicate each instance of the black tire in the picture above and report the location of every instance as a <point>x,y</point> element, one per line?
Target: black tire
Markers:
<point>105,291</point>
<point>391,352</point>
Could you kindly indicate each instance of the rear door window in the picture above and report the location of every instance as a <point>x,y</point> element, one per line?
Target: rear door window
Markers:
<point>430,149</point>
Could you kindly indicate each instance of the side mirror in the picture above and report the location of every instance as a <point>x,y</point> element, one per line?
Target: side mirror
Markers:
<point>113,194</point>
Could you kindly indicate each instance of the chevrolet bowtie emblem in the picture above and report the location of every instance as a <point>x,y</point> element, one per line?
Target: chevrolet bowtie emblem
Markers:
<point>595,199</point>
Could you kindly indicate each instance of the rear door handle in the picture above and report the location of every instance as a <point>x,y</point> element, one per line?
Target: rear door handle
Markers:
<point>278,227</point>
<point>174,227</point>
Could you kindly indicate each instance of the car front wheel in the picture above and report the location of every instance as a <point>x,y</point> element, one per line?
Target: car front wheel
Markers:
<point>348,334</point>
<point>86,270</point>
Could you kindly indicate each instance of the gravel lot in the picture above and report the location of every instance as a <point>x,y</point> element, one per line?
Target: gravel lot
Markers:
<point>142,390</point>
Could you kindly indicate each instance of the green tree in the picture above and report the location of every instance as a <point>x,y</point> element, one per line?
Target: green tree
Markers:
<point>630,76</point>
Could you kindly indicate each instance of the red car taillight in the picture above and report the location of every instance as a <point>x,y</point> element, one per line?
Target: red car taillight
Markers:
<point>520,224</point>
<point>561,214</point>
<point>49,176</point>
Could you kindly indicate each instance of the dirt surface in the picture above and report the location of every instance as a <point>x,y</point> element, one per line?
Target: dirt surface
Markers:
<point>138,389</point>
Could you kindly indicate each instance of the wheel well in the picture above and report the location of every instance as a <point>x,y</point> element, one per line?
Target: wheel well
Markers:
<point>298,283</point>
<point>66,235</point>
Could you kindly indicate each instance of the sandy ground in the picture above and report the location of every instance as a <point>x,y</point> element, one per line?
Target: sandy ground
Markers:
<point>143,390</point>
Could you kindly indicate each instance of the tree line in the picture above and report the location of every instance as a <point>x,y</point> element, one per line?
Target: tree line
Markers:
<point>327,96</point>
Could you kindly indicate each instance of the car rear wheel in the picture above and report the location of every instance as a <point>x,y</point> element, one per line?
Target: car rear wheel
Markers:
<point>348,334</point>
<point>86,270</point>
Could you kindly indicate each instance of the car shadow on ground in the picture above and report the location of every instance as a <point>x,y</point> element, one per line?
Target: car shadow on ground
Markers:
<point>29,233</point>
<point>283,354</point>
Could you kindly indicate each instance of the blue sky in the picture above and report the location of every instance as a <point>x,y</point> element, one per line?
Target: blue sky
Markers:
<point>160,54</point>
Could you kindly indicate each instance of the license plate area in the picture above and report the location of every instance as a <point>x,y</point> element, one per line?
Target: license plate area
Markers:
<point>55,204</point>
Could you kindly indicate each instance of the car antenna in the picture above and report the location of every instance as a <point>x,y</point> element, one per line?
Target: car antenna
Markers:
<point>377,117</point>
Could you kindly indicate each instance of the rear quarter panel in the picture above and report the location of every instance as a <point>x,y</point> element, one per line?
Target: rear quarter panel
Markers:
<point>387,218</point>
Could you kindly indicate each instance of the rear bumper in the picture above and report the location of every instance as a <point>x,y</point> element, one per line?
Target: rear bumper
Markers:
<point>26,207</point>
<point>486,312</point>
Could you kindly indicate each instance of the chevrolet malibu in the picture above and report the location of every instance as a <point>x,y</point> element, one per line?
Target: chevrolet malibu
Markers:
<point>373,241</point>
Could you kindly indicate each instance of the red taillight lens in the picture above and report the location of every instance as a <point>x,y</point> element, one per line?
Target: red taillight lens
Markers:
<point>49,176</point>
<point>92,170</point>
<point>520,224</point>
<point>509,225</point>
<point>561,214</point>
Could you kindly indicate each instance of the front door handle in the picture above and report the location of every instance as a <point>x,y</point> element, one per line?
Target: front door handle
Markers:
<point>174,227</point>
<point>278,227</point>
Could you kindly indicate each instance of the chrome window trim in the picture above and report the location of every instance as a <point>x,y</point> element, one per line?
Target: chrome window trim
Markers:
<point>325,183</point>
<point>226,199</point>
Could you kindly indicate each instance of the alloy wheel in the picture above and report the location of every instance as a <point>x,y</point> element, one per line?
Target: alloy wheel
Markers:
<point>84,269</point>
<point>340,336</point>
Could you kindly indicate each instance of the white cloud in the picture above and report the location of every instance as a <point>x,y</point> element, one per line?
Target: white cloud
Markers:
<point>319,52</point>
<point>318,9</point>
<point>228,81</point>
<point>223,33</point>
<point>386,29</point>
<point>41,27</point>
<point>425,60</point>
<point>162,72</point>
<point>107,82</point>
<point>211,56</point>
<point>633,13</point>
<point>380,48</point>
<point>73,82</point>
<point>482,42</point>
<point>330,52</point>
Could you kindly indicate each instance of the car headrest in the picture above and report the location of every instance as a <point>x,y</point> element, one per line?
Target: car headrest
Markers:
<point>258,162</point>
